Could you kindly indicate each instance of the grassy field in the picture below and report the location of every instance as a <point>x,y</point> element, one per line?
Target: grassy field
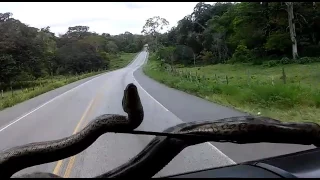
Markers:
<point>10,98</point>
<point>248,88</point>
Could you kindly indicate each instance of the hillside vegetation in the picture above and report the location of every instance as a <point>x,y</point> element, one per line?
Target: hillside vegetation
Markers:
<point>34,61</point>
<point>261,58</point>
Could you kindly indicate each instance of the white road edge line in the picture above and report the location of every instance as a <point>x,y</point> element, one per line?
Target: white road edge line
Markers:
<point>144,89</point>
<point>23,116</point>
<point>211,145</point>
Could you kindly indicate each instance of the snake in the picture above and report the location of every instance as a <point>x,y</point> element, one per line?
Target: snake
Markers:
<point>161,149</point>
<point>242,129</point>
<point>20,157</point>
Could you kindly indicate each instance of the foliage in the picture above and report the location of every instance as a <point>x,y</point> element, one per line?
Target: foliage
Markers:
<point>152,28</point>
<point>245,31</point>
<point>34,88</point>
<point>28,53</point>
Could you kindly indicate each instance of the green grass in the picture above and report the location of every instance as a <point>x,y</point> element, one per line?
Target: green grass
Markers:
<point>123,61</point>
<point>250,88</point>
<point>10,98</point>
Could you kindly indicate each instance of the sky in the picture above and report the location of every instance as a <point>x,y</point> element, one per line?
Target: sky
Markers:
<point>102,17</point>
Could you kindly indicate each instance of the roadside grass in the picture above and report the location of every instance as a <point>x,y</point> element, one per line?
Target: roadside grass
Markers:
<point>250,88</point>
<point>11,98</point>
<point>124,60</point>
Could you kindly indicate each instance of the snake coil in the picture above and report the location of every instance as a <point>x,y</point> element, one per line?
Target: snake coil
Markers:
<point>18,158</point>
<point>161,150</point>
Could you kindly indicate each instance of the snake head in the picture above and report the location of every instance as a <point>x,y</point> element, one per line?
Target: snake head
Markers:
<point>131,101</point>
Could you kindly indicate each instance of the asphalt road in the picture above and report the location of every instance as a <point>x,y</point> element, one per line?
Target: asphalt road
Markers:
<point>66,110</point>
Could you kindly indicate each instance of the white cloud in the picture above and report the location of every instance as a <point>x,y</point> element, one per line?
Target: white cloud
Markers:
<point>108,17</point>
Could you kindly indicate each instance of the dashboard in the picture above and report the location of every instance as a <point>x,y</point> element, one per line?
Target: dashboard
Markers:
<point>304,164</point>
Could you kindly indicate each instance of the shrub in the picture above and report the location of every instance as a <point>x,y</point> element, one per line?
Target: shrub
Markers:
<point>272,63</point>
<point>304,60</point>
<point>285,60</point>
<point>242,54</point>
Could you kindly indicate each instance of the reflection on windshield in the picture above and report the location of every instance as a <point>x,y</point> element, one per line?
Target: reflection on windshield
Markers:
<point>208,61</point>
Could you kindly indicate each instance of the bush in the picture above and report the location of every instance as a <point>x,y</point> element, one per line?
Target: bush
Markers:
<point>242,54</point>
<point>303,60</point>
<point>207,57</point>
<point>272,63</point>
<point>285,60</point>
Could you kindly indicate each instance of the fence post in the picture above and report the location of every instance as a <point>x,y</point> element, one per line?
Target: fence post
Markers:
<point>11,91</point>
<point>227,79</point>
<point>272,80</point>
<point>284,77</point>
<point>248,77</point>
<point>2,94</point>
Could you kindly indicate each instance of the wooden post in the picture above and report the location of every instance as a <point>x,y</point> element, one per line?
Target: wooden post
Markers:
<point>11,90</point>
<point>2,94</point>
<point>284,77</point>
<point>248,77</point>
<point>227,79</point>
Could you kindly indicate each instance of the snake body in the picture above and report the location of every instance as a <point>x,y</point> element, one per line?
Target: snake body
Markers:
<point>244,129</point>
<point>161,150</point>
<point>18,158</point>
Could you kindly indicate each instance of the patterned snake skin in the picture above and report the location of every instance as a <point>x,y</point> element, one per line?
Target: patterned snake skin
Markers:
<point>245,129</point>
<point>161,150</point>
<point>18,158</point>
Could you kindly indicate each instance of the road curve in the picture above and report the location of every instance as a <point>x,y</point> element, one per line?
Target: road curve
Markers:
<point>66,110</point>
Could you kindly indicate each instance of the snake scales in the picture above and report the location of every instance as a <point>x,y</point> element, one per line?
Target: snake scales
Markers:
<point>17,158</point>
<point>161,150</point>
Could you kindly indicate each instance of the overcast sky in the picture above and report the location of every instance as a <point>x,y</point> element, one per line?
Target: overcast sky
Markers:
<point>108,17</point>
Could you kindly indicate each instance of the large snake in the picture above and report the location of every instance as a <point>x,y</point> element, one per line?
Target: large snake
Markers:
<point>18,158</point>
<point>244,129</point>
<point>161,150</point>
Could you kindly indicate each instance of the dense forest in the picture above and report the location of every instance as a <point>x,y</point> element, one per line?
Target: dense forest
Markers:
<point>262,58</point>
<point>28,53</point>
<point>252,32</point>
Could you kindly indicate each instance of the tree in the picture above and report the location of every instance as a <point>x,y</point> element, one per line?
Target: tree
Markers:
<point>292,28</point>
<point>28,53</point>
<point>112,47</point>
<point>5,16</point>
<point>153,26</point>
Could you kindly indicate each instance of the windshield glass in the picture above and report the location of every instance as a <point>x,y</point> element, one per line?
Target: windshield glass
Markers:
<point>63,64</point>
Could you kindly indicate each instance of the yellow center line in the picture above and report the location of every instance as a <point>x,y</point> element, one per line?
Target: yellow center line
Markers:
<point>72,159</point>
<point>60,162</point>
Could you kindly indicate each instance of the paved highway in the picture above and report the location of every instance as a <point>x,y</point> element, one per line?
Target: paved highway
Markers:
<point>67,110</point>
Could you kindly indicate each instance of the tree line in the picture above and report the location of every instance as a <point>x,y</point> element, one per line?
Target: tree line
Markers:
<point>28,53</point>
<point>247,32</point>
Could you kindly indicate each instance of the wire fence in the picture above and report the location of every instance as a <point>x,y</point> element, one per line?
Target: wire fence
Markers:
<point>247,78</point>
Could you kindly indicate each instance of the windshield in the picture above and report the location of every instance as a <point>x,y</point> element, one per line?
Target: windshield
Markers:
<point>62,65</point>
